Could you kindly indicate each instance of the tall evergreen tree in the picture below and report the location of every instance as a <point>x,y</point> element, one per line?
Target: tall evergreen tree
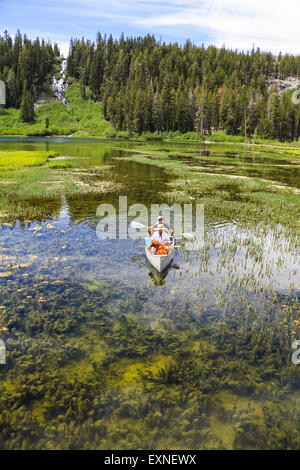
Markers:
<point>27,107</point>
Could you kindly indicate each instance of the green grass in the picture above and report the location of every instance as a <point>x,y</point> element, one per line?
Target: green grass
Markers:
<point>221,136</point>
<point>84,119</point>
<point>21,159</point>
<point>32,183</point>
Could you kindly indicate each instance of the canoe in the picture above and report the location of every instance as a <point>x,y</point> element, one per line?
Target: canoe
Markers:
<point>159,262</point>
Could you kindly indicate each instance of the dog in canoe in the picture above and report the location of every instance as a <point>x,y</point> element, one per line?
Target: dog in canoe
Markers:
<point>159,248</point>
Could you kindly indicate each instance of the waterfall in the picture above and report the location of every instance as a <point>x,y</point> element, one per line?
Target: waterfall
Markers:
<point>60,85</point>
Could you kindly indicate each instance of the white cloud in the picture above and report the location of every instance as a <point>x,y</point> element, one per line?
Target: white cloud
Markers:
<point>270,25</point>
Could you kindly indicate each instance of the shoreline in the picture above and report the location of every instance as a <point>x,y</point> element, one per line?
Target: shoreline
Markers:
<point>272,144</point>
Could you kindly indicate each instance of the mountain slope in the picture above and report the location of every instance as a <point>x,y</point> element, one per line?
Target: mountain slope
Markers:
<point>84,118</point>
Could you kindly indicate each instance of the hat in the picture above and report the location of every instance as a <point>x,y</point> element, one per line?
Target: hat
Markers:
<point>160,226</point>
<point>160,217</point>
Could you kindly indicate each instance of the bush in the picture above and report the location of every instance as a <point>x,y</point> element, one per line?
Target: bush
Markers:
<point>221,136</point>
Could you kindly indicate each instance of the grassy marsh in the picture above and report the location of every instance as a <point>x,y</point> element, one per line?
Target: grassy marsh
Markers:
<point>32,183</point>
<point>242,192</point>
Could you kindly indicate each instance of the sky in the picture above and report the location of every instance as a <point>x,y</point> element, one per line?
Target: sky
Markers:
<point>271,25</point>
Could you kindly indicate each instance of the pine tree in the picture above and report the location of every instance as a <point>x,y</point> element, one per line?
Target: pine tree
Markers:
<point>27,107</point>
<point>11,89</point>
<point>157,112</point>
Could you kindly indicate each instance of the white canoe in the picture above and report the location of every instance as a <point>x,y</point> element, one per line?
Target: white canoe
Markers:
<point>160,262</point>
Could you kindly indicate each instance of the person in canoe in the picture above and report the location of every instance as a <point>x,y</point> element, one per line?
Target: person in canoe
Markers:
<point>148,239</point>
<point>165,226</point>
<point>159,222</point>
<point>160,241</point>
<point>161,235</point>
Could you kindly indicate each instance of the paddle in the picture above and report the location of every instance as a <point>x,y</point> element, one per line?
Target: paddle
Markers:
<point>135,224</point>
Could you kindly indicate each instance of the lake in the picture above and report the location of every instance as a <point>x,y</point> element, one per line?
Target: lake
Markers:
<point>104,352</point>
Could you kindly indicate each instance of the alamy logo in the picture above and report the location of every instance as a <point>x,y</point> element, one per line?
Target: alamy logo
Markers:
<point>2,352</point>
<point>296,354</point>
<point>296,93</point>
<point>187,222</point>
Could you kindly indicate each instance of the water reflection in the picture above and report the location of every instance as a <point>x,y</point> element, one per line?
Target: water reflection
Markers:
<point>158,278</point>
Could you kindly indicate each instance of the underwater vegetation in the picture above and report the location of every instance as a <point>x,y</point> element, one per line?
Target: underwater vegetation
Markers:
<point>80,375</point>
<point>95,361</point>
